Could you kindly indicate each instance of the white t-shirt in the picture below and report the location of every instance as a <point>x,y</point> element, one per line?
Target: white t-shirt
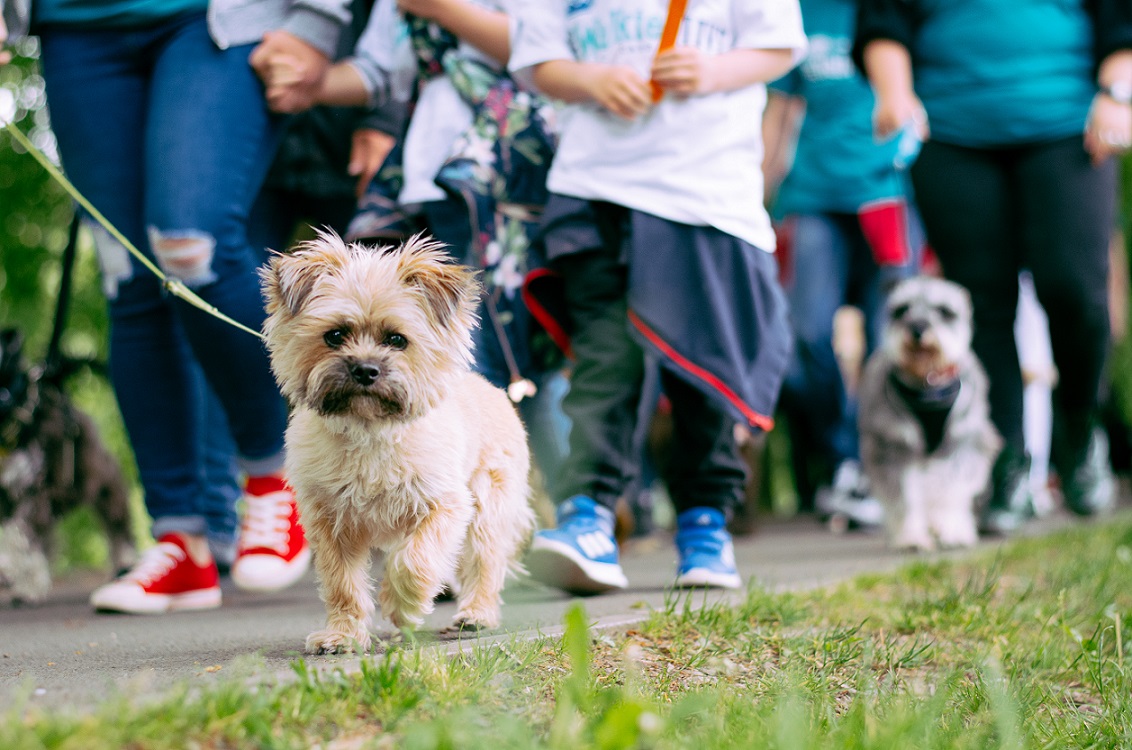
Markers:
<point>441,115</point>
<point>695,160</point>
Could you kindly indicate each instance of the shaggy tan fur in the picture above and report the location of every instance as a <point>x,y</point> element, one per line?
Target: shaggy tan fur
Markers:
<point>393,442</point>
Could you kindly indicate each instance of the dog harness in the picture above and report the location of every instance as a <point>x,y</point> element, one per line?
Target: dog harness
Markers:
<point>929,404</point>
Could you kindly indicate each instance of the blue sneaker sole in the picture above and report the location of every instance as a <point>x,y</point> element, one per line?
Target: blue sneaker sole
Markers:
<point>559,565</point>
<point>703,578</point>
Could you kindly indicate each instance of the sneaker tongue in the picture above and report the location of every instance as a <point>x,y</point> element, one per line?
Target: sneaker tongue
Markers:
<point>265,485</point>
<point>157,560</point>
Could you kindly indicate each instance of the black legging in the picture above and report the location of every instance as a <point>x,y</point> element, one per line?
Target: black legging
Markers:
<point>990,213</point>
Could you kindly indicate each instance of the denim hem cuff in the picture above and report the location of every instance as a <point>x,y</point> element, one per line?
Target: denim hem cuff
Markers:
<point>260,467</point>
<point>193,525</point>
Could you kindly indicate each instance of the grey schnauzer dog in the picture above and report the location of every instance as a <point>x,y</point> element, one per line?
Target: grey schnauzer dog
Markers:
<point>51,461</point>
<point>927,442</point>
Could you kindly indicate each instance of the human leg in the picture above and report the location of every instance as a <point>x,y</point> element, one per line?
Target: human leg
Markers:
<point>581,554</point>
<point>813,394</point>
<point>706,478</point>
<point>209,142</point>
<point>98,85</point>
<point>967,202</point>
<point>1067,217</point>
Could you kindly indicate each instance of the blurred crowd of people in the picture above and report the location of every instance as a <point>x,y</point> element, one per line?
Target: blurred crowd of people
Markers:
<point>644,244</point>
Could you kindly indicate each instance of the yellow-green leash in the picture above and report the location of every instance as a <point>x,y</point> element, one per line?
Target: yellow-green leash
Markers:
<point>174,286</point>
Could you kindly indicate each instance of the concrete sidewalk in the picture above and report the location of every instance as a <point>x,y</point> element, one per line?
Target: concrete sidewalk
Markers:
<point>63,654</point>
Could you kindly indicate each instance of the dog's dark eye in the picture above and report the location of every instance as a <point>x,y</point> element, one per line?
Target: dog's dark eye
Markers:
<point>335,338</point>
<point>395,341</point>
<point>946,313</point>
<point>899,311</point>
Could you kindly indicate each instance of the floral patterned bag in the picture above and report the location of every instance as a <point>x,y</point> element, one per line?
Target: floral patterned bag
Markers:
<point>497,170</point>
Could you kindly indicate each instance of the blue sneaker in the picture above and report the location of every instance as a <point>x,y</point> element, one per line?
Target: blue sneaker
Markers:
<point>707,557</point>
<point>580,556</point>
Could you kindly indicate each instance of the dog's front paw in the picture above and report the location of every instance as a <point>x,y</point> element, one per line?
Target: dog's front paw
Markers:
<point>405,609</point>
<point>958,531</point>
<point>913,541</point>
<point>331,641</point>
<point>477,618</point>
<point>459,627</point>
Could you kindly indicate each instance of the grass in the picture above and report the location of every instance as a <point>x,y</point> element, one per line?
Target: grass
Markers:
<point>1024,648</point>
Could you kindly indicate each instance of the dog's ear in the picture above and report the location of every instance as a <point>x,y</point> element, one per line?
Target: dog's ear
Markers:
<point>450,290</point>
<point>968,306</point>
<point>289,278</point>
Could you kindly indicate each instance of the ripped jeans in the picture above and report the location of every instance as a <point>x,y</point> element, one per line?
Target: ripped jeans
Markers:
<point>169,137</point>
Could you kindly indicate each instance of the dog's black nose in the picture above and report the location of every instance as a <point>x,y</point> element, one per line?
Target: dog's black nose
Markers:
<point>364,373</point>
<point>917,328</point>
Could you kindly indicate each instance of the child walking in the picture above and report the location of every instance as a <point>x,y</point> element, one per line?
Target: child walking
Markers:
<point>656,231</point>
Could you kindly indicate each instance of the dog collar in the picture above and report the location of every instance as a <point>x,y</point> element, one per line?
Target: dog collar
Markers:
<point>930,405</point>
<point>934,393</point>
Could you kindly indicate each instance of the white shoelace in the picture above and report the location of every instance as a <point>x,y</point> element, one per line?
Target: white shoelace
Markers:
<point>155,563</point>
<point>267,522</point>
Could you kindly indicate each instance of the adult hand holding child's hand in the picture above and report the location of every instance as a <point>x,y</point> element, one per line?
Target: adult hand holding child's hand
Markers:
<point>291,69</point>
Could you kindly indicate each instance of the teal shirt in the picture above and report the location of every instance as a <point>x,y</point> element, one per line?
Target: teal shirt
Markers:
<point>1002,72</point>
<point>111,14</point>
<point>838,165</point>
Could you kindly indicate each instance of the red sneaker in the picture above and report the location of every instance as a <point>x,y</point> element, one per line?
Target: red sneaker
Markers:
<point>166,578</point>
<point>273,553</point>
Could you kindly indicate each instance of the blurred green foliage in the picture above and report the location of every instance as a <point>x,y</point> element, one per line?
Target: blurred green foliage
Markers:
<point>35,214</point>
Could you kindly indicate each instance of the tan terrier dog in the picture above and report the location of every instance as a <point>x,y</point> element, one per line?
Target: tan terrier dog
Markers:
<point>393,442</point>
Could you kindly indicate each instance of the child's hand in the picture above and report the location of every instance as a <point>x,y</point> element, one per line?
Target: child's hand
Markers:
<point>368,151</point>
<point>682,71</point>
<point>621,91</point>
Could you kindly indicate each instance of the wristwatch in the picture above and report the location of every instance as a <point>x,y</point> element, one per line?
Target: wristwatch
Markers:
<point>1119,91</point>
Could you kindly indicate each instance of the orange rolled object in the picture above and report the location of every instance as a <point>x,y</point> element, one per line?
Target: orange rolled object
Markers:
<point>668,37</point>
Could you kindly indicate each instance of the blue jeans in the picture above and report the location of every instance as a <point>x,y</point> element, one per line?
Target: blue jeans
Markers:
<point>833,266</point>
<point>170,138</point>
